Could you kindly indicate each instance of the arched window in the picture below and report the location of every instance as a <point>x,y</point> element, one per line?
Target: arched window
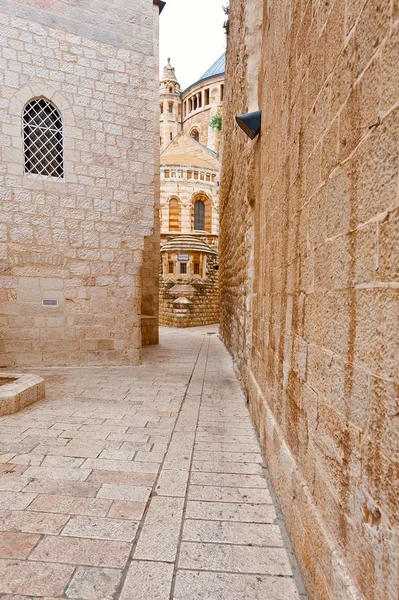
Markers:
<point>195,134</point>
<point>199,215</point>
<point>174,215</point>
<point>43,139</point>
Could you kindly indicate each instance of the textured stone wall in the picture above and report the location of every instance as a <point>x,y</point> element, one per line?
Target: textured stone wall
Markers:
<point>309,275</point>
<point>150,261</point>
<point>79,240</point>
<point>204,300</point>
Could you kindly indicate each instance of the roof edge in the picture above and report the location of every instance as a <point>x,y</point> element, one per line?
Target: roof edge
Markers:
<point>160,3</point>
<point>183,133</point>
<point>202,80</point>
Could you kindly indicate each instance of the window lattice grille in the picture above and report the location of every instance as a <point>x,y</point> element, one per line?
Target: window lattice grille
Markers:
<point>43,139</point>
<point>199,215</point>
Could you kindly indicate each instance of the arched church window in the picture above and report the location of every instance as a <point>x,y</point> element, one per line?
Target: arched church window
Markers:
<point>195,134</point>
<point>174,215</point>
<point>43,139</point>
<point>199,215</point>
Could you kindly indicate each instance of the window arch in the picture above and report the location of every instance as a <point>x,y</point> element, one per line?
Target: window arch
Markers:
<point>174,214</point>
<point>194,133</point>
<point>199,215</point>
<point>43,139</point>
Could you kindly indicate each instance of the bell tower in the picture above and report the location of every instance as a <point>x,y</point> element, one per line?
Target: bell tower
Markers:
<point>170,106</point>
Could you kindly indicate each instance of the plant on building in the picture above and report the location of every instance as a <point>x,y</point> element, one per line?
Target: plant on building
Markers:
<point>226,24</point>
<point>216,122</point>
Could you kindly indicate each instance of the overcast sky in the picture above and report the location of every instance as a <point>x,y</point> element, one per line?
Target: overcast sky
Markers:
<point>192,35</point>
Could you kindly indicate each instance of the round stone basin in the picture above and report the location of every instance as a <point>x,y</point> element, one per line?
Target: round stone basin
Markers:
<point>19,390</point>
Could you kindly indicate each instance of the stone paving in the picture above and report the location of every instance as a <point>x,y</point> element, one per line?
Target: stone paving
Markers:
<point>142,483</point>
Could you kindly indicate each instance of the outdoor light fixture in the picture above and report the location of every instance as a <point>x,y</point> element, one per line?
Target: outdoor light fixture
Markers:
<point>250,123</point>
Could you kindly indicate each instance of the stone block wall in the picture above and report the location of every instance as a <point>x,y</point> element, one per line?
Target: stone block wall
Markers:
<point>80,240</point>
<point>309,275</point>
<point>150,259</point>
<point>202,307</point>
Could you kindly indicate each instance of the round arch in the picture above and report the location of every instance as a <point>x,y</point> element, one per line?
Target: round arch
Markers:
<point>201,212</point>
<point>174,218</point>
<point>195,133</point>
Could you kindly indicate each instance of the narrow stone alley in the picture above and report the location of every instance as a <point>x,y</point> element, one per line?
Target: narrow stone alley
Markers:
<point>141,483</point>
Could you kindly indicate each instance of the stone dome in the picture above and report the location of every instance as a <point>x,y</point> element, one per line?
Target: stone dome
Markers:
<point>187,243</point>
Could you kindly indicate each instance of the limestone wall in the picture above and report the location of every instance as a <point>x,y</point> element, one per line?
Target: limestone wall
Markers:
<point>201,304</point>
<point>80,240</point>
<point>309,275</point>
<point>150,261</point>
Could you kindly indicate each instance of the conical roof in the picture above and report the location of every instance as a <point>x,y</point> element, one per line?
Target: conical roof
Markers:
<point>169,73</point>
<point>217,68</point>
<point>187,243</point>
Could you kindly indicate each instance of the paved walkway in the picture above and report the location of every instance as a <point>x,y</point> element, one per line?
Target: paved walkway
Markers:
<point>141,483</point>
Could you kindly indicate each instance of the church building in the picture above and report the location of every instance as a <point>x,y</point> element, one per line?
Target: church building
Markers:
<point>190,124</point>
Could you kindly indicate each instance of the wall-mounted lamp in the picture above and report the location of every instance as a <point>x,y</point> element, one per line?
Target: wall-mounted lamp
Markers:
<point>250,123</point>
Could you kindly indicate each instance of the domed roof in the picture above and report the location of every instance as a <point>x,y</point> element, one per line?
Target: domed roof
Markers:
<point>169,73</point>
<point>217,69</point>
<point>187,243</point>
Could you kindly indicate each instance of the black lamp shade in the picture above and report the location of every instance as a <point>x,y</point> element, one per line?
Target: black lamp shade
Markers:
<point>250,123</point>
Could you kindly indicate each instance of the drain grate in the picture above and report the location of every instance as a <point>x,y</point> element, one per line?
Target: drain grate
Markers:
<point>49,302</point>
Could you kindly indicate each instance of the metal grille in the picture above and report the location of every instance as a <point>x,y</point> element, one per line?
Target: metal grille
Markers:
<point>199,215</point>
<point>48,302</point>
<point>43,139</point>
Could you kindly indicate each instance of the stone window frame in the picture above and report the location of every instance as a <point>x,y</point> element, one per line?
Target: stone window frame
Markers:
<point>48,145</point>
<point>203,196</point>
<point>71,132</point>
<point>197,129</point>
<point>179,211</point>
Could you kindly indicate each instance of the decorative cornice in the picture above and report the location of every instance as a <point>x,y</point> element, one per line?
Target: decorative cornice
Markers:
<point>161,4</point>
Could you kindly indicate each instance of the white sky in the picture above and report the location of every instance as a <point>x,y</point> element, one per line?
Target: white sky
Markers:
<point>192,35</point>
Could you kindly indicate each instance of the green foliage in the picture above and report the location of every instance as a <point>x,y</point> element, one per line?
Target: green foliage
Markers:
<point>216,122</point>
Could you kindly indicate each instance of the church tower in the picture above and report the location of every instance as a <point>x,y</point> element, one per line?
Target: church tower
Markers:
<point>170,106</point>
